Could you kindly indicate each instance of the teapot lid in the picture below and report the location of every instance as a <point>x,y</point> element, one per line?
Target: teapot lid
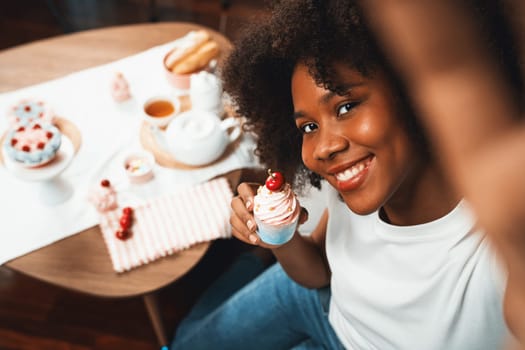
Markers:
<point>196,127</point>
<point>196,137</point>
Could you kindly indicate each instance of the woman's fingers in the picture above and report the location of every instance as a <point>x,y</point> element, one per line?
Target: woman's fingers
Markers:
<point>240,231</point>
<point>246,191</point>
<point>242,221</point>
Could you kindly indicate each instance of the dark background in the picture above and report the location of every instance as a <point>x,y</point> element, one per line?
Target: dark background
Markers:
<point>22,21</point>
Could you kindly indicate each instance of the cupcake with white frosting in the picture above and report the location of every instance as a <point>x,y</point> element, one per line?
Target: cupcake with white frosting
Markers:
<point>276,210</point>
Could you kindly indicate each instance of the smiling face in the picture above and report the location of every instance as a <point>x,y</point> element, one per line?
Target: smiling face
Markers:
<point>356,141</point>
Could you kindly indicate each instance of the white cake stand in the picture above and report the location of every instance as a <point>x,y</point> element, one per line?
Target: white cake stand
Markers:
<point>52,189</point>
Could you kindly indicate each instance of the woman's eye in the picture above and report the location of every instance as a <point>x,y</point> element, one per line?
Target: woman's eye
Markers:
<point>345,108</point>
<point>308,128</point>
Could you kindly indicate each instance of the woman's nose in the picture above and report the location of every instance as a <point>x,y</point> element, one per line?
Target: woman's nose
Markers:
<point>329,144</point>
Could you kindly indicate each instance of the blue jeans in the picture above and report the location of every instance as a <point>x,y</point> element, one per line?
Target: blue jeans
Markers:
<point>270,312</point>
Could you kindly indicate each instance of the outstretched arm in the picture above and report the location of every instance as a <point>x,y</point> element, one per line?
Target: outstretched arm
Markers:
<point>472,119</point>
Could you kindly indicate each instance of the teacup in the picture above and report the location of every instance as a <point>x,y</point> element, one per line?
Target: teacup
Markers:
<point>199,137</point>
<point>178,81</point>
<point>160,110</point>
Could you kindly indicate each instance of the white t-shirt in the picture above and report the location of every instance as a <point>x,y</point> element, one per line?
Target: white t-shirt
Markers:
<point>431,286</point>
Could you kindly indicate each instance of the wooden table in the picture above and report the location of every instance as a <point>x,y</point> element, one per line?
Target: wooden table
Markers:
<point>81,262</point>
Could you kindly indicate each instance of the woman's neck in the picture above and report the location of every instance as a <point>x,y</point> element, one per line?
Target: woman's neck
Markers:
<point>424,196</point>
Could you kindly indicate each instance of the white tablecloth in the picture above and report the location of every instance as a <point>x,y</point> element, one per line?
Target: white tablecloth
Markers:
<point>109,130</point>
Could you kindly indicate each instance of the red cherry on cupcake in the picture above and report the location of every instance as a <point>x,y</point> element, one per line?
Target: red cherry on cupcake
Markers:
<point>105,183</point>
<point>274,181</point>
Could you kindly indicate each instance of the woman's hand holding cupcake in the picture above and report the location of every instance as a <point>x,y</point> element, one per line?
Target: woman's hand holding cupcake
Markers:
<point>266,215</point>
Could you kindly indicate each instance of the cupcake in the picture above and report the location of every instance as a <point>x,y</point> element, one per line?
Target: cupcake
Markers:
<point>33,145</point>
<point>120,88</point>
<point>276,210</point>
<point>103,196</point>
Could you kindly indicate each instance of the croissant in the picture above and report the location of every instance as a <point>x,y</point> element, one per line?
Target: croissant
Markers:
<point>191,43</point>
<point>193,56</point>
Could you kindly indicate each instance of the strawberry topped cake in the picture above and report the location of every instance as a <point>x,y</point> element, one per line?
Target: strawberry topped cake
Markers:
<point>32,145</point>
<point>276,210</point>
<point>103,196</point>
<point>29,111</point>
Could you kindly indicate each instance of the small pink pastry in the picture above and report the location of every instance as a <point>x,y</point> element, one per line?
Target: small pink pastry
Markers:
<point>28,111</point>
<point>120,88</point>
<point>103,196</point>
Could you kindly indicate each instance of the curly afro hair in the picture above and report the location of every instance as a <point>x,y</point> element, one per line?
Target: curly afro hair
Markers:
<point>257,74</point>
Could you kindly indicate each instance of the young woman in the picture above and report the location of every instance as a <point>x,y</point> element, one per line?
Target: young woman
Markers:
<point>396,261</point>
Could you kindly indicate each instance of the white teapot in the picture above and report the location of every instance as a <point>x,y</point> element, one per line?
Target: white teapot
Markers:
<point>199,137</point>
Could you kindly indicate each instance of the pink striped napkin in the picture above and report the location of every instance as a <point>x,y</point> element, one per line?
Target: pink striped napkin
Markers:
<point>167,224</point>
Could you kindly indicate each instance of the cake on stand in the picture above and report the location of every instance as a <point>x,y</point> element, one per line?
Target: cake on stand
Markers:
<point>52,188</point>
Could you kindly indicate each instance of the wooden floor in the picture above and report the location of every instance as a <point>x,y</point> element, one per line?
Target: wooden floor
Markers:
<point>35,315</point>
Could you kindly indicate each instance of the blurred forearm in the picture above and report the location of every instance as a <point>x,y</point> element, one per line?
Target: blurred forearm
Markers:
<point>471,115</point>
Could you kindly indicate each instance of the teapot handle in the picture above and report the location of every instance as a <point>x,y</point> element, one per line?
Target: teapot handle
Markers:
<point>231,123</point>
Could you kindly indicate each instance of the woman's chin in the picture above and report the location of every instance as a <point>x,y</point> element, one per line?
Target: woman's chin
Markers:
<point>358,206</point>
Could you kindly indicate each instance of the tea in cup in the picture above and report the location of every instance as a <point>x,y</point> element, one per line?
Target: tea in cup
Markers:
<point>160,110</point>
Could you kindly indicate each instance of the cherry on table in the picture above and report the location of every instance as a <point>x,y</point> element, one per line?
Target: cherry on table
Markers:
<point>122,234</point>
<point>125,221</point>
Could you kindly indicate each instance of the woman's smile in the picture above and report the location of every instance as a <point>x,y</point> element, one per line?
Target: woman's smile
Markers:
<point>352,176</point>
